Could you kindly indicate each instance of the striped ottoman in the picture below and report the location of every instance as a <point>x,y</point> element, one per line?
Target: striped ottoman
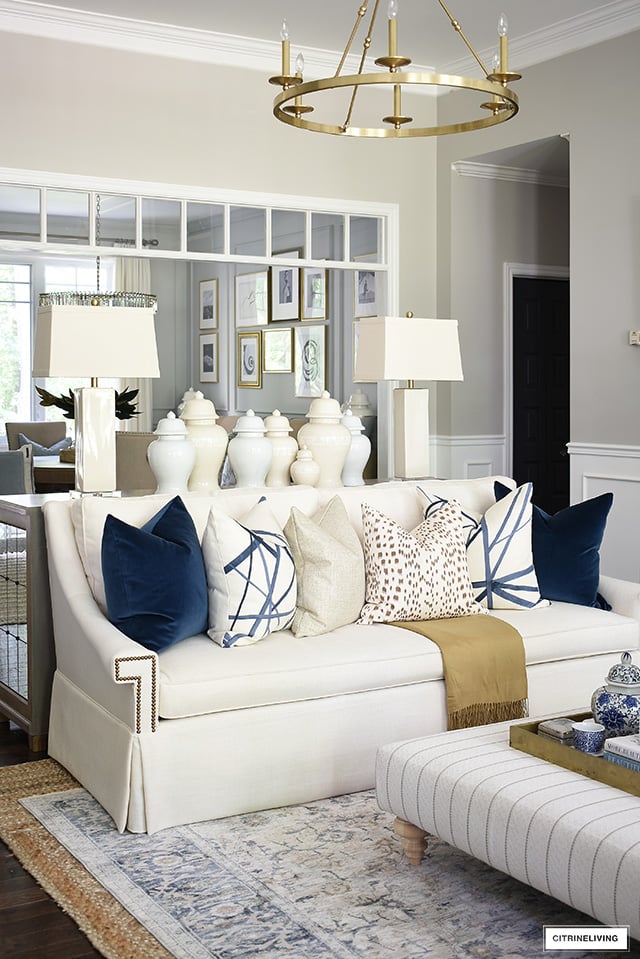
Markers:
<point>568,836</point>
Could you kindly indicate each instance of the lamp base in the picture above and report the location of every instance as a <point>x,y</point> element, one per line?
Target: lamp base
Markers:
<point>95,439</point>
<point>411,427</point>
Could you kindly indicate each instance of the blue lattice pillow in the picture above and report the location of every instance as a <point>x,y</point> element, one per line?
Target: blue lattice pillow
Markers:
<point>251,576</point>
<point>499,550</point>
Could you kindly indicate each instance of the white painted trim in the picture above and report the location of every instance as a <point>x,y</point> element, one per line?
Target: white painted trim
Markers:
<point>171,40</point>
<point>610,20</point>
<point>467,457</point>
<point>492,171</point>
<point>603,449</point>
<point>509,272</point>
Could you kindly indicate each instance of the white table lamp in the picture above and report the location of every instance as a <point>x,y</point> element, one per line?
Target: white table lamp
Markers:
<point>95,341</point>
<point>408,348</point>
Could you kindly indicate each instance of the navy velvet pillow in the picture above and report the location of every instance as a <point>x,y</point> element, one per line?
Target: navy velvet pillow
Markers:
<point>566,549</point>
<point>154,577</point>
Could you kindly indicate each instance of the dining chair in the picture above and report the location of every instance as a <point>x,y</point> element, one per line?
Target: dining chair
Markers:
<point>16,471</point>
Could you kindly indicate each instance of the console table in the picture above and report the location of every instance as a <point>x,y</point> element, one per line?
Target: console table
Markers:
<point>27,654</point>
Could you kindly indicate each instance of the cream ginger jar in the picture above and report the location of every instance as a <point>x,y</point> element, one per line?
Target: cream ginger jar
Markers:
<point>284,449</point>
<point>171,456</point>
<point>327,438</point>
<point>210,441</point>
<point>250,452</point>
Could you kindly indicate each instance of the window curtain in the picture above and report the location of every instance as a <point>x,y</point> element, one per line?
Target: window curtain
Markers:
<point>133,275</point>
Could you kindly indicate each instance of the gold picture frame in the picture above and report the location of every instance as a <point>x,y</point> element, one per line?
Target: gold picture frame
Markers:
<point>252,298</point>
<point>208,304</point>
<point>277,350</point>
<point>208,357</point>
<point>313,295</point>
<point>249,368</point>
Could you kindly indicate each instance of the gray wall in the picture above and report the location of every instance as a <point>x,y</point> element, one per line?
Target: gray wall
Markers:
<point>588,95</point>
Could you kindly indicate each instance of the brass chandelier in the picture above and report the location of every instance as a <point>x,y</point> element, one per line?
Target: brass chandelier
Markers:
<point>288,106</point>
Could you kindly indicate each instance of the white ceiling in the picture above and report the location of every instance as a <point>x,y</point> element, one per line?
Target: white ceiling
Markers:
<point>538,29</point>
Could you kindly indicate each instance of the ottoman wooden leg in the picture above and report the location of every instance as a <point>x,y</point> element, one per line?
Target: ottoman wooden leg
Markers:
<point>413,839</point>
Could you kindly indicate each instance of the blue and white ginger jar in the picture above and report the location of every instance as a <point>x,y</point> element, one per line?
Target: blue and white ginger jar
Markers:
<point>617,704</point>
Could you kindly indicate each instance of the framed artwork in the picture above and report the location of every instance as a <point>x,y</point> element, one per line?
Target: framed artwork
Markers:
<point>309,360</point>
<point>285,290</point>
<point>364,293</point>
<point>276,351</point>
<point>208,304</point>
<point>314,294</point>
<point>208,357</point>
<point>249,360</point>
<point>252,304</point>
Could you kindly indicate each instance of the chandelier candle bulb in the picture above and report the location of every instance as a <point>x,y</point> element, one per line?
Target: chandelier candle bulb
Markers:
<point>286,54</point>
<point>503,27</point>
<point>392,13</point>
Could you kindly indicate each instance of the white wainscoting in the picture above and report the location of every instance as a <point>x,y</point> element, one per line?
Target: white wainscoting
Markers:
<point>467,457</point>
<point>596,469</point>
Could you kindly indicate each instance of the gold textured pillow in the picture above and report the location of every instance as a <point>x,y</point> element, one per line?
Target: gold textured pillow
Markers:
<point>329,569</point>
<point>422,574</point>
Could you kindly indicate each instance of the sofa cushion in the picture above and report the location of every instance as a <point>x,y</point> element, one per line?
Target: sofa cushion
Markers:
<point>499,550</point>
<point>329,569</point>
<point>198,676</point>
<point>566,549</point>
<point>88,514</point>
<point>251,576</point>
<point>154,577</point>
<point>416,575</point>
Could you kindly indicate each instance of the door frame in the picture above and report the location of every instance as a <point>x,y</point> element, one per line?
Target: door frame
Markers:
<point>509,272</point>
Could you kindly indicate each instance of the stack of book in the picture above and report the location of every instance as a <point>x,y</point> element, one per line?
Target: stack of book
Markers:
<point>623,751</point>
<point>560,730</point>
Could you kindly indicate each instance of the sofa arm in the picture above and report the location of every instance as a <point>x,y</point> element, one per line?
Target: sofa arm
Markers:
<point>104,664</point>
<point>623,596</point>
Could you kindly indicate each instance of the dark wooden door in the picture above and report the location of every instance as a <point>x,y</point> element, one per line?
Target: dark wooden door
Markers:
<point>541,388</point>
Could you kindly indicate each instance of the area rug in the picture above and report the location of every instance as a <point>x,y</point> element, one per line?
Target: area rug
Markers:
<point>325,880</point>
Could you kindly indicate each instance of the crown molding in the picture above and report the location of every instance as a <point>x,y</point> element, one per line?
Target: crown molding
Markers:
<point>611,20</point>
<point>158,39</point>
<point>492,171</point>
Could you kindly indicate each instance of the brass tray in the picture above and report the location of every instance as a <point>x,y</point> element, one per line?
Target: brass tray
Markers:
<point>525,738</point>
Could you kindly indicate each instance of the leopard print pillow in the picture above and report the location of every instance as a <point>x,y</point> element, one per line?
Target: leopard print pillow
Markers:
<point>422,574</point>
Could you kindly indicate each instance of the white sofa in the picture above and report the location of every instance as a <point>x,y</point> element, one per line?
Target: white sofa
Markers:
<point>199,731</point>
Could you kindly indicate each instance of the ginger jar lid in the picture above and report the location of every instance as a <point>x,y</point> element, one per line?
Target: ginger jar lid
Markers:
<point>324,408</point>
<point>249,423</point>
<point>171,425</point>
<point>277,423</point>
<point>358,403</point>
<point>304,454</point>
<point>199,408</point>
<point>624,673</point>
<point>352,422</point>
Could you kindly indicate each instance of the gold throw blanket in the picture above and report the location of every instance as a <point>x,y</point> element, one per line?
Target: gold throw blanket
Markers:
<point>484,668</point>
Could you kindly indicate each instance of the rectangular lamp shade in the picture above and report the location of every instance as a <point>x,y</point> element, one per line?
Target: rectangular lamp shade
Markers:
<point>95,341</point>
<point>407,348</point>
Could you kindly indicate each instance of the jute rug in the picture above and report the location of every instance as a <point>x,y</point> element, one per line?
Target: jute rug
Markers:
<point>325,880</point>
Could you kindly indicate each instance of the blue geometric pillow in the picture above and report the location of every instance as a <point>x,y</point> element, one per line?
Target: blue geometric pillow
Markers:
<point>154,577</point>
<point>499,551</point>
<point>251,576</point>
<point>566,550</point>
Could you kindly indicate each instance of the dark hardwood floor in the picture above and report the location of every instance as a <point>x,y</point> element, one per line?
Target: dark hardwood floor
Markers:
<point>31,924</point>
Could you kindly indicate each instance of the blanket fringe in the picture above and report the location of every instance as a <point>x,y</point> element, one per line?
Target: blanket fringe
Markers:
<point>481,714</point>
